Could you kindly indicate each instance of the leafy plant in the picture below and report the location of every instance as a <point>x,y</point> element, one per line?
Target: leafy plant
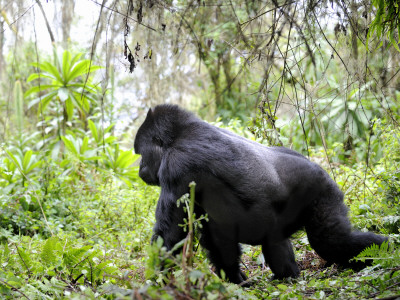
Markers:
<point>122,163</point>
<point>191,223</point>
<point>100,136</point>
<point>25,162</point>
<point>7,173</point>
<point>79,148</point>
<point>386,22</point>
<point>385,255</point>
<point>43,268</point>
<point>65,83</point>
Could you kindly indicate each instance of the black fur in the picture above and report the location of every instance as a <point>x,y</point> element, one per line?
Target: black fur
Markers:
<point>252,194</point>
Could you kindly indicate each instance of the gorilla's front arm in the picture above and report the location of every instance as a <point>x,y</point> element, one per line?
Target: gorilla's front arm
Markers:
<point>168,218</point>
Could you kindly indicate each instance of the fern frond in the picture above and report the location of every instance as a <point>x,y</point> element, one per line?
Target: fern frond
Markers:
<point>48,255</point>
<point>74,256</point>
<point>385,255</point>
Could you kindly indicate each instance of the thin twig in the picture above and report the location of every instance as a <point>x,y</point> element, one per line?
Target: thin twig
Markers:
<point>333,48</point>
<point>272,9</point>
<point>27,179</point>
<point>124,15</point>
<point>46,21</point>
<point>26,265</point>
<point>13,287</point>
<point>17,19</point>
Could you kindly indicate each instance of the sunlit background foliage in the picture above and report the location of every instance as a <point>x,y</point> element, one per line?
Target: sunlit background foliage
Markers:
<point>76,79</point>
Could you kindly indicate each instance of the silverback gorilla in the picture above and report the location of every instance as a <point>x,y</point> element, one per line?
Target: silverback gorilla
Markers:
<point>252,194</point>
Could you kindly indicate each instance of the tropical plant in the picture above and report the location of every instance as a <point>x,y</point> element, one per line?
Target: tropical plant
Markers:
<point>8,171</point>
<point>79,148</point>
<point>24,162</point>
<point>122,163</point>
<point>101,136</point>
<point>385,254</point>
<point>386,22</point>
<point>65,84</point>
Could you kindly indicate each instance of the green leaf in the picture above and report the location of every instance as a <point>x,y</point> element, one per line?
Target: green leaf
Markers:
<point>125,159</point>
<point>43,101</point>
<point>110,157</point>
<point>66,64</point>
<point>49,252</point>
<point>52,70</point>
<point>75,59</point>
<point>42,87</point>
<point>27,159</point>
<point>109,139</point>
<point>75,255</point>
<point>25,259</point>
<point>32,166</point>
<point>109,128</point>
<point>39,75</point>
<point>85,86</point>
<point>85,144</point>
<point>93,129</point>
<point>69,106</point>
<point>77,103</point>
<point>84,103</point>
<point>81,68</point>
<point>393,40</point>
<point>91,158</point>
<point>125,180</point>
<point>14,160</point>
<point>69,145</point>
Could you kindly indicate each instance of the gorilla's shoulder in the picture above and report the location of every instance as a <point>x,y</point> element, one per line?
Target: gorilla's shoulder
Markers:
<point>287,151</point>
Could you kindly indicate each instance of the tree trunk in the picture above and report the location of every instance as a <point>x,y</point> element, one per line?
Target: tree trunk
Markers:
<point>67,9</point>
<point>354,29</point>
<point>226,63</point>
<point>214,75</point>
<point>2,62</point>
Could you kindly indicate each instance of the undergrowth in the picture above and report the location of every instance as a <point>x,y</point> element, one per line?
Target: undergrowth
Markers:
<point>75,230</point>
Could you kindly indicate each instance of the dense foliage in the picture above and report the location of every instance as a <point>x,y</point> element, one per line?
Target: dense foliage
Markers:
<point>75,218</point>
<point>82,232</point>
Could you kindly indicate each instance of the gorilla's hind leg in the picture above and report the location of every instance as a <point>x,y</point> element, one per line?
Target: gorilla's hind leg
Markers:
<point>224,254</point>
<point>330,233</point>
<point>281,259</point>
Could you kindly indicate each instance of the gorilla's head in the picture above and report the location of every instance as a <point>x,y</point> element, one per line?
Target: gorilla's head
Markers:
<point>150,146</point>
<point>162,126</point>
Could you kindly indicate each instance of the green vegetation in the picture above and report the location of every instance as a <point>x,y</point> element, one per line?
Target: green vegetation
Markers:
<point>82,232</point>
<point>75,218</point>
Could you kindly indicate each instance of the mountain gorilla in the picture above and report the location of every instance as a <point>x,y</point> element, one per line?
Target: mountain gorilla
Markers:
<point>252,194</point>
